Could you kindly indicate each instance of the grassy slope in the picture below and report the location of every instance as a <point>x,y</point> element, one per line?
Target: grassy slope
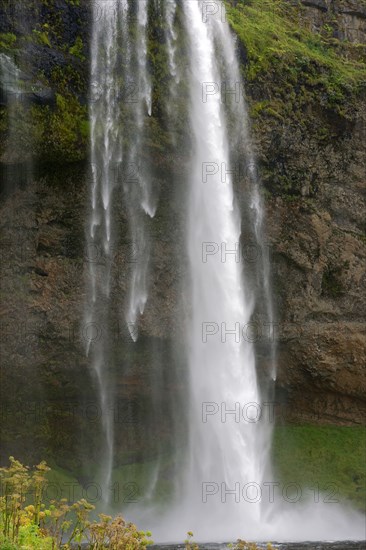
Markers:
<point>277,41</point>
<point>323,455</point>
<point>274,29</point>
<point>312,456</point>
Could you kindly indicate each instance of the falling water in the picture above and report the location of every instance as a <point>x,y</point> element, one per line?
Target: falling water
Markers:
<point>120,98</point>
<point>103,111</point>
<point>15,93</point>
<point>222,367</point>
<point>220,493</point>
<point>10,78</point>
<point>138,189</point>
<point>245,166</point>
<point>227,447</point>
<point>171,44</point>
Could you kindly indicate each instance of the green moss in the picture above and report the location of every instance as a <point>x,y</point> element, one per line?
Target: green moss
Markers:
<point>274,39</point>
<point>7,41</point>
<point>78,49</point>
<point>53,134</point>
<point>267,108</point>
<point>307,87</point>
<point>61,134</point>
<point>271,31</point>
<point>331,458</point>
<point>42,37</point>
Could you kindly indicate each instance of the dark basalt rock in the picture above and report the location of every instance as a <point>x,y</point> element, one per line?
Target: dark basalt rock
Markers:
<point>319,4</point>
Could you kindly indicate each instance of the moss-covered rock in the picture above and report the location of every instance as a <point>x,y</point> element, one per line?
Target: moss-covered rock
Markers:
<point>49,43</point>
<point>308,87</point>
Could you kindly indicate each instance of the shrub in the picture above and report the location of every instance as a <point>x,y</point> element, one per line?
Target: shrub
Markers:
<point>26,523</point>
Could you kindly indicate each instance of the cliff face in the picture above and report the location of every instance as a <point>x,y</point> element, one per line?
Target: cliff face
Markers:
<point>346,17</point>
<point>319,246</point>
<point>319,257</point>
<point>309,131</point>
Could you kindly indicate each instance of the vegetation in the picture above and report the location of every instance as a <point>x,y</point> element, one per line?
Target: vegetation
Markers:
<point>306,86</point>
<point>7,41</point>
<point>288,70</point>
<point>239,545</point>
<point>42,37</point>
<point>330,459</point>
<point>324,460</point>
<point>77,49</point>
<point>189,544</point>
<point>52,131</point>
<point>274,36</point>
<point>287,67</point>
<point>243,545</point>
<point>26,522</point>
<point>62,133</point>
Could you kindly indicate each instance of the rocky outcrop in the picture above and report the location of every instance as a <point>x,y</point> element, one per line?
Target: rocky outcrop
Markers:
<point>319,281</point>
<point>344,19</point>
<point>310,148</point>
<point>318,245</point>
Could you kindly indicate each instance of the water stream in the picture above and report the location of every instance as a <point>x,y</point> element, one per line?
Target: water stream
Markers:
<point>227,447</point>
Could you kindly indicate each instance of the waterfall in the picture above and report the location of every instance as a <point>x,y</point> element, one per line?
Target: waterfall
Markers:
<point>11,96</point>
<point>241,141</point>
<point>223,449</point>
<point>105,154</point>
<point>222,373</point>
<point>140,197</point>
<point>10,78</point>
<point>223,461</point>
<point>222,366</point>
<point>120,99</point>
<point>15,94</point>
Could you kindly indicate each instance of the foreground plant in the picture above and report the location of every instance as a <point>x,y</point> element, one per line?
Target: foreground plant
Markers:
<point>15,482</point>
<point>117,534</point>
<point>26,523</point>
<point>189,544</point>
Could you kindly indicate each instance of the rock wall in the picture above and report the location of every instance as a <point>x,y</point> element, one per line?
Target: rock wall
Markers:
<point>319,246</point>
<point>345,19</point>
<point>311,160</point>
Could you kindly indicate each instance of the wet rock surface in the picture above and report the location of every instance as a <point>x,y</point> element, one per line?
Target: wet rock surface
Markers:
<point>316,236</point>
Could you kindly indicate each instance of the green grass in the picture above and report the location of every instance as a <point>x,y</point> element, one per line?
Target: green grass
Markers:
<point>331,458</point>
<point>297,81</point>
<point>272,29</point>
<point>323,456</point>
<point>130,485</point>
<point>298,62</point>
